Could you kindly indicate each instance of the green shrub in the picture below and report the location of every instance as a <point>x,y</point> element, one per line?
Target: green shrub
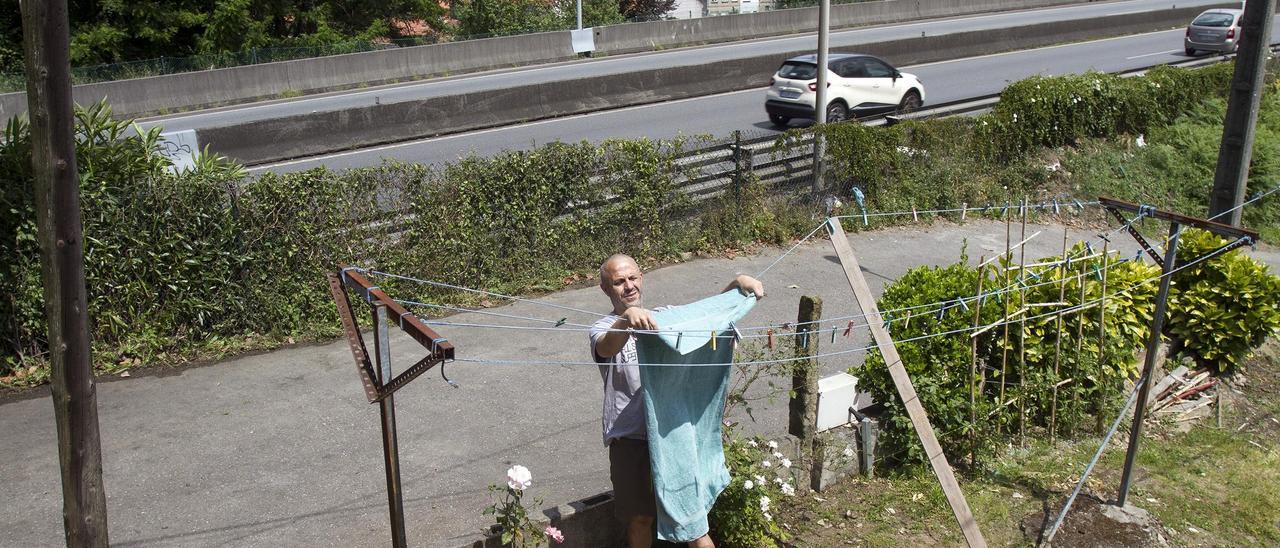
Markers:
<point>1222,308</point>
<point>1006,391</point>
<point>938,366</point>
<point>743,513</point>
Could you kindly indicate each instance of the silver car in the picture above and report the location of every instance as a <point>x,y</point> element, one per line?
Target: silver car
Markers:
<point>1214,30</point>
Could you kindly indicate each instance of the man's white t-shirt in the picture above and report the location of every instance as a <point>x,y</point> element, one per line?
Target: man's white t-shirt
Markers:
<point>623,415</point>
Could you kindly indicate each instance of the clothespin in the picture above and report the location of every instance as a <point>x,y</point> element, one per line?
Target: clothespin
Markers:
<point>942,310</point>
<point>679,336</point>
<point>1004,210</point>
<point>1097,272</point>
<point>786,326</point>
<point>737,335</point>
<point>848,329</point>
<point>963,306</point>
<point>713,340</point>
<point>1078,204</point>
<point>1068,265</point>
<point>833,333</point>
<point>770,339</point>
<point>862,203</point>
<point>1088,247</point>
<point>1055,206</point>
<point>561,322</point>
<point>914,216</point>
<point>888,319</point>
<point>907,324</point>
<point>1137,256</point>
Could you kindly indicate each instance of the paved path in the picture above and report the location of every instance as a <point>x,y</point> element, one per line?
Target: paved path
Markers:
<point>281,449</point>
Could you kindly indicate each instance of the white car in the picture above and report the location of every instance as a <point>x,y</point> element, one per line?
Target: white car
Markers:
<point>857,85</point>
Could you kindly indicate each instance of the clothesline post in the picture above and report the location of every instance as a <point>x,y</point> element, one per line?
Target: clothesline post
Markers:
<point>804,385</point>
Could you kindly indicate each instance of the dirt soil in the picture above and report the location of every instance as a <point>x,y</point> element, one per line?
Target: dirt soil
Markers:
<point>1089,524</point>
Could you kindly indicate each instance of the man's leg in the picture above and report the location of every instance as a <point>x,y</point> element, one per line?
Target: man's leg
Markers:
<point>633,497</point>
<point>640,532</point>
<point>703,541</point>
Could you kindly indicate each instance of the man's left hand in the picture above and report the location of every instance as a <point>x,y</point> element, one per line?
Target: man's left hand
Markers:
<point>748,285</point>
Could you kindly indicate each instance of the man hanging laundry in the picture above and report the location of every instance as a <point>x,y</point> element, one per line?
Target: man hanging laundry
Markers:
<point>686,451</point>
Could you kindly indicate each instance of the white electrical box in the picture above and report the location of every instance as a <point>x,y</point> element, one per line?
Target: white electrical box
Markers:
<point>836,394</point>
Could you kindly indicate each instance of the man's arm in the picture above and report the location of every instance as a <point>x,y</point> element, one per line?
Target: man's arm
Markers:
<point>748,285</point>
<point>632,318</point>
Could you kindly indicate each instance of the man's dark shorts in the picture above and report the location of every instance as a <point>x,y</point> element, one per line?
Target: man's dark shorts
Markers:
<point>632,479</point>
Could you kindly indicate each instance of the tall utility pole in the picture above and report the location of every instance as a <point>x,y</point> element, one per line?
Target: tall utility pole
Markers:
<point>46,42</point>
<point>820,99</point>
<point>1242,111</point>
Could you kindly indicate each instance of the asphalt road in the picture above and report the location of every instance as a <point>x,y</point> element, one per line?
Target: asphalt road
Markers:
<point>646,61</point>
<point>744,110</point>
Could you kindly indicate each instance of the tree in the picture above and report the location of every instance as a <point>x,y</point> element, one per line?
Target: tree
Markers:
<point>646,9</point>
<point>505,17</point>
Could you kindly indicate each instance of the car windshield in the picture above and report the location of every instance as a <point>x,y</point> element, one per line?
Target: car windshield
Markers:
<point>798,70</point>
<point>1214,20</point>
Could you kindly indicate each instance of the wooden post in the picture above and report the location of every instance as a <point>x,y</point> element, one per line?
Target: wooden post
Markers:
<point>902,382</point>
<point>804,384</point>
<point>46,44</point>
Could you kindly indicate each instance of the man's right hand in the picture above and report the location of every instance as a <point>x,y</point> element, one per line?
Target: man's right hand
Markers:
<point>639,318</point>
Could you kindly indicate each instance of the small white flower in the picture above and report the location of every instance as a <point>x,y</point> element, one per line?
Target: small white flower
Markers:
<point>768,516</point>
<point>519,478</point>
<point>773,444</point>
<point>748,485</point>
<point>788,490</point>
<point>848,449</point>
<point>1033,99</point>
<point>766,464</point>
<point>752,443</point>
<point>764,504</point>
<point>786,463</point>
<point>777,455</point>
<point>760,480</point>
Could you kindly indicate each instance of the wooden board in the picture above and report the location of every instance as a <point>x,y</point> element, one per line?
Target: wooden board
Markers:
<point>919,420</point>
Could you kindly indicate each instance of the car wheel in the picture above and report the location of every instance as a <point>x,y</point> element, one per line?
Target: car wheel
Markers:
<point>837,112</point>
<point>1189,51</point>
<point>910,102</point>
<point>779,120</point>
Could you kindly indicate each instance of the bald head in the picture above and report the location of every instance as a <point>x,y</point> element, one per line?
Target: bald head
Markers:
<point>621,280</point>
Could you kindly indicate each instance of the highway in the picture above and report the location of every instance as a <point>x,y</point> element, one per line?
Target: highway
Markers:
<point>646,61</point>
<point>721,114</point>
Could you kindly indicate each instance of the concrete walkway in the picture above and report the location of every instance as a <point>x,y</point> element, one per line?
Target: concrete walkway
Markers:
<point>281,449</point>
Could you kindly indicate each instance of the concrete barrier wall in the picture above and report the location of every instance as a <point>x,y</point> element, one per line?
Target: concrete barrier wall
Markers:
<point>665,34</point>
<point>190,90</point>
<point>318,133</point>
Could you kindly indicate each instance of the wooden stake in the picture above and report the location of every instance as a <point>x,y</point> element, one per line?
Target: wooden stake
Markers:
<point>1057,346</point>
<point>1100,389</point>
<point>902,382</point>
<point>1075,372</point>
<point>1004,348</point>
<point>1022,330</point>
<point>804,384</point>
<point>973,369</point>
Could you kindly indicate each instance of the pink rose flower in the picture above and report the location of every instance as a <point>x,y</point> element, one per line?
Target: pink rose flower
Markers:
<point>554,534</point>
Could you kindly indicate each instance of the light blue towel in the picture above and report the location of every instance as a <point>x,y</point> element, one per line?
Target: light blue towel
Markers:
<point>683,408</point>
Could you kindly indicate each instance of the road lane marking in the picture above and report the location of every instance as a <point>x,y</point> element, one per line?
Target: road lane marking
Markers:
<point>1153,54</point>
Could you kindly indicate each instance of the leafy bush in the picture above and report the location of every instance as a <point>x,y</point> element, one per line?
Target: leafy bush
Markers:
<point>1223,308</point>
